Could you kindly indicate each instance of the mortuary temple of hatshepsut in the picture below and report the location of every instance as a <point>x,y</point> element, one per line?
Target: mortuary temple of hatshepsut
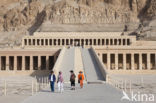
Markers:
<point>113,52</point>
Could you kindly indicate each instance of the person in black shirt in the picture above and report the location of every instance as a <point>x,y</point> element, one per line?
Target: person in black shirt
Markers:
<point>72,80</point>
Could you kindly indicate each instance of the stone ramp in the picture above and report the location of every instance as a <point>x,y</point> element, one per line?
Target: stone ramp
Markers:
<point>78,62</point>
<point>80,59</point>
<point>91,93</point>
<point>67,63</point>
<point>92,71</point>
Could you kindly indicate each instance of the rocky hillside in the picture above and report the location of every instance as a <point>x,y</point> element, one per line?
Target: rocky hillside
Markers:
<point>32,13</point>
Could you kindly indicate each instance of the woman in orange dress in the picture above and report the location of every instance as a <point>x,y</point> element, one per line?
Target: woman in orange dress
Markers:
<point>81,78</point>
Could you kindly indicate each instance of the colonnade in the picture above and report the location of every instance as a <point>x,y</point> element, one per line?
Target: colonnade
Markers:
<point>76,42</point>
<point>129,61</point>
<point>21,63</point>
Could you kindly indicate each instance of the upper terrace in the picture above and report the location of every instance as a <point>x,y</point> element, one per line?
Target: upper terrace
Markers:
<point>87,39</point>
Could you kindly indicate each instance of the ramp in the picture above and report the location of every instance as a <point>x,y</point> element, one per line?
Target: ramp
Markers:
<point>79,59</point>
<point>91,67</point>
<point>65,62</point>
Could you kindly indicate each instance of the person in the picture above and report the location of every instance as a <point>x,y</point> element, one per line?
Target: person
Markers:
<point>81,78</point>
<point>52,80</point>
<point>72,80</point>
<point>60,82</point>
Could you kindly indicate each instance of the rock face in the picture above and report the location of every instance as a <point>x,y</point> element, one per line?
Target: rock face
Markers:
<point>33,13</point>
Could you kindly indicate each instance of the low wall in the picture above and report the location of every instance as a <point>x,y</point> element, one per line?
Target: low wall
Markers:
<point>100,64</point>
<point>59,60</point>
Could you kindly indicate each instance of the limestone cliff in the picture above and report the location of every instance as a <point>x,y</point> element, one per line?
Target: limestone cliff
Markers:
<point>32,13</point>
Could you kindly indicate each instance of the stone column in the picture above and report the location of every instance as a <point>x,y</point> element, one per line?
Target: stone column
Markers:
<point>52,42</point>
<point>7,63</point>
<point>108,61</point>
<point>65,42</point>
<point>155,62</point>
<point>44,42</point>
<point>112,41</point>
<point>15,63</point>
<point>47,62</point>
<point>56,42</point>
<point>140,61</point>
<point>116,61</point>
<point>124,61</point>
<point>0,63</point>
<point>92,41</point>
<point>125,41</point>
<point>101,42</point>
<point>36,42</point>
<point>60,42</point>
<point>40,41</point>
<point>148,61</point>
<point>132,61</point>
<point>96,42</point>
<point>23,43</point>
<point>31,63</point>
<point>80,42</point>
<point>84,42</point>
<point>39,62</point>
<point>121,41</point>
<point>105,41</point>
<point>23,63</point>
<point>48,42</point>
<point>100,57</point>
<point>88,42</point>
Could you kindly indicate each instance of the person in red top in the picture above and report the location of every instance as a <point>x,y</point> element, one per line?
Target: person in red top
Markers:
<point>81,78</point>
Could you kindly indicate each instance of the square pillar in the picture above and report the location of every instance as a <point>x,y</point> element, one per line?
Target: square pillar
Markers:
<point>40,41</point>
<point>0,62</point>
<point>23,63</point>
<point>60,42</point>
<point>48,42</point>
<point>47,62</point>
<point>39,62</point>
<point>140,61</point>
<point>105,41</point>
<point>155,62</point>
<point>116,61</point>
<point>36,42</point>
<point>132,61</point>
<point>100,57</point>
<point>44,42</point>
<point>65,42</point>
<point>124,61</point>
<point>148,61</point>
<point>113,42</point>
<point>121,41</point>
<point>125,41</point>
<point>7,63</point>
<point>108,61</point>
<point>15,63</point>
<point>31,62</point>
<point>100,41</point>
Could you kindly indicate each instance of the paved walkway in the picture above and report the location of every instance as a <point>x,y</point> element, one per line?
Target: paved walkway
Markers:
<point>91,93</point>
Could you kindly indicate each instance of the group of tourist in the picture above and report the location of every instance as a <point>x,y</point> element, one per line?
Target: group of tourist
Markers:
<point>60,81</point>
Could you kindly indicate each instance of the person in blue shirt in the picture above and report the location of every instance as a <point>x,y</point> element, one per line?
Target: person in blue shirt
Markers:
<point>52,79</point>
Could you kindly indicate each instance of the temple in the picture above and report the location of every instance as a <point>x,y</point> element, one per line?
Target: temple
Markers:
<point>44,51</point>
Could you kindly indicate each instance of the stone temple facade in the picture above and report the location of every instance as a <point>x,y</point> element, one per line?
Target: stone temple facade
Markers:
<point>118,53</point>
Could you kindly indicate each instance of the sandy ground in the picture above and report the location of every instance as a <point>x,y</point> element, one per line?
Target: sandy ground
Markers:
<point>13,98</point>
<point>18,88</point>
<point>141,83</point>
